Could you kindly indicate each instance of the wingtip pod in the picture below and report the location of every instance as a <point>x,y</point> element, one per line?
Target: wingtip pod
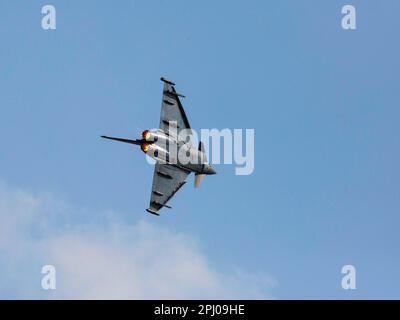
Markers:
<point>167,81</point>
<point>152,212</point>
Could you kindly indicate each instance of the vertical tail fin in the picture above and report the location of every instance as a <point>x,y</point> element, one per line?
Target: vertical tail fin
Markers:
<point>198,178</point>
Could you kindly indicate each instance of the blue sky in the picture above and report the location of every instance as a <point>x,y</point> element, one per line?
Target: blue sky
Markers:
<point>323,103</point>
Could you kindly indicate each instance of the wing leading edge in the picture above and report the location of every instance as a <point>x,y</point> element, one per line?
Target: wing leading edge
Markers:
<point>172,111</point>
<point>167,180</point>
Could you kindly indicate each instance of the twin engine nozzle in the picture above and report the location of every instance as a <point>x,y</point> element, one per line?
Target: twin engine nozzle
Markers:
<point>145,147</point>
<point>149,137</point>
<point>146,135</point>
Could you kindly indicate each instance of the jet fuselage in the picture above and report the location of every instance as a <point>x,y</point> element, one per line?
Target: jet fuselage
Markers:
<point>167,149</point>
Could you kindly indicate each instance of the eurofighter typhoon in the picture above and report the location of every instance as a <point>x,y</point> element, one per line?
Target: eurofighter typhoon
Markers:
<point>170,147</point>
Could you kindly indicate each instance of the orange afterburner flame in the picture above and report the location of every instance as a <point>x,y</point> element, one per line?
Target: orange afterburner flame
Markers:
<point>145,147</point>
<point>146,135</point>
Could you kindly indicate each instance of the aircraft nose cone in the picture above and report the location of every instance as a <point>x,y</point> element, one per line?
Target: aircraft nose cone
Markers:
<point>211,170</point>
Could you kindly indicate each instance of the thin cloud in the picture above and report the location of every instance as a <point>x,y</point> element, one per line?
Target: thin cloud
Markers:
<point>112,260</point>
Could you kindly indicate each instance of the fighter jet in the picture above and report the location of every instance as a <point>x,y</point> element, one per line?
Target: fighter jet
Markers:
<point>170,147</point>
